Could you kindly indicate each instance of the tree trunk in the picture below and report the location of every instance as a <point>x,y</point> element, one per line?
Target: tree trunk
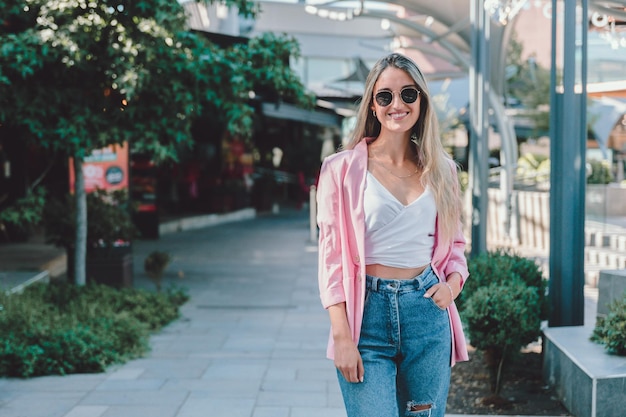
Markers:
<point>80,250</point>
<point>494,358</point>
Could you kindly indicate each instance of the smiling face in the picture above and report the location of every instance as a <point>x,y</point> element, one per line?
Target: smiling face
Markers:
<point>398,116</point>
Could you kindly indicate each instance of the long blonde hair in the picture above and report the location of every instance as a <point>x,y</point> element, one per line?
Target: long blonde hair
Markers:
<point>436,163</point>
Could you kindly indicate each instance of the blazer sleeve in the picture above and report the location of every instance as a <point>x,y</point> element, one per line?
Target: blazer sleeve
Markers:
<point>330,271</point>
<point>457,262</point>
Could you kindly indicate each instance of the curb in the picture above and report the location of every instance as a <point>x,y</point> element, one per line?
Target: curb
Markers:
<point>197,222</point>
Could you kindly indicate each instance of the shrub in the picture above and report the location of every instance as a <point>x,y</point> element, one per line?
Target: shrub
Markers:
<point>110,211</point>
<point>503,267</point>
<point>500,320</point>
<point>610,331</point>
<point>534,166</point>
<point>600,172</point>
<point>25,213</point>
<point>502,305</point>
<point>61,328</point>
<point>491,307</point>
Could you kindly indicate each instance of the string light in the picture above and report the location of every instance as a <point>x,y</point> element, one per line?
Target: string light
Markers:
<point>503,11</point>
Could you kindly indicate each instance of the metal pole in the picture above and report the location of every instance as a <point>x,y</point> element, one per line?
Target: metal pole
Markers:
<point>479,126</point>
<point>568,135</point>
<point>313,213</point>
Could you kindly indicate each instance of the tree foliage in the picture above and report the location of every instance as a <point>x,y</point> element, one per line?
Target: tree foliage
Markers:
<point>83,74</point>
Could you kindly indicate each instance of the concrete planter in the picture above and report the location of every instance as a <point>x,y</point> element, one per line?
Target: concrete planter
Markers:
<point>588,381</point>
<point>109,266</point>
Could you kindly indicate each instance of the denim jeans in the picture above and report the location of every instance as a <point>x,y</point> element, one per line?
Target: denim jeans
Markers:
<point>405,345</point>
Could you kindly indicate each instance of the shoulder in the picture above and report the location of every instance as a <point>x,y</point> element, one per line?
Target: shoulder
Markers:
<point>348,155</point>
<point>343,158</point>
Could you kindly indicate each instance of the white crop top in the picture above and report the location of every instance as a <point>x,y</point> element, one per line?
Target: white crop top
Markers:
<point>397,235</point>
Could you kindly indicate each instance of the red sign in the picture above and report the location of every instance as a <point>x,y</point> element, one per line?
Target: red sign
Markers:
<point>105,168</point>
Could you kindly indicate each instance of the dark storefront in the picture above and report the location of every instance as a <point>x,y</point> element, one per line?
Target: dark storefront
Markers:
<point>222,174</point>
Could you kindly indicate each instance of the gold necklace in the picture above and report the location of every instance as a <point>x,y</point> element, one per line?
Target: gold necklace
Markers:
<point>397,176</point>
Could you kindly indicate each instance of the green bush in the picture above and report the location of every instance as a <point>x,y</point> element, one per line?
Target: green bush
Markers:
<point>610,331</point>
<point>493,311</point>
<point>534,166</point>
<point>502,305</point>
<point>60,329</point>
<point>501,319</point>
<point>503,267</point>
<point>25,213</point>
<point>600,172</point>
<point>110,209</point>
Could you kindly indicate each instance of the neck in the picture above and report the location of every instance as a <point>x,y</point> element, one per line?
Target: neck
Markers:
<point>394,148</point>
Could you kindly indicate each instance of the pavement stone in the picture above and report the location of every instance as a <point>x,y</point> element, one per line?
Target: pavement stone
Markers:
<point>250,342</point>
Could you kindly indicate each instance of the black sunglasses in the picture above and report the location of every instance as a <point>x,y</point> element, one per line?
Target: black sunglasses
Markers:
<point>409,95</point>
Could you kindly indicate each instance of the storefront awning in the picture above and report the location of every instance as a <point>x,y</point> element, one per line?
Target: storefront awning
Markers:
<point>290,112</point>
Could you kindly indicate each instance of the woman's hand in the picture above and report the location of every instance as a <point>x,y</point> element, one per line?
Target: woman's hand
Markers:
<point>444,293</point>
<point>347,357</point>
<point>348,360</point>
<point>441,294</point>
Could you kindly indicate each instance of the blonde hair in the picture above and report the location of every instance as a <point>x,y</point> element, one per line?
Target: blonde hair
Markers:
<point>436,163</point>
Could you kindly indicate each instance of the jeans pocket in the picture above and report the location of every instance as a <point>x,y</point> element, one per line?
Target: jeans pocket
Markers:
<point>434,304</point>
<point>429,286</point>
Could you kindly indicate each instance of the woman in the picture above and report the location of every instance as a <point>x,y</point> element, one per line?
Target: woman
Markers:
<point>391,251</point>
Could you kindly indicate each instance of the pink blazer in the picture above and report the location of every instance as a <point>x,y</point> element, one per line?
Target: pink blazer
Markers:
<point>341,222</point>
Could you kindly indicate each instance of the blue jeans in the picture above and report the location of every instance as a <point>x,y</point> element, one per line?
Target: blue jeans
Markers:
<point>405,345</point>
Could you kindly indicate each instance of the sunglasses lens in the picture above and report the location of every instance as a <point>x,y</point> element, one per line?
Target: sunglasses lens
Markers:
<point>384,98</point>
<point>409,95</point>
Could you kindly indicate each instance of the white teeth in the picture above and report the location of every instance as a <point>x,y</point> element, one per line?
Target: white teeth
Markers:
<point>396,116</point>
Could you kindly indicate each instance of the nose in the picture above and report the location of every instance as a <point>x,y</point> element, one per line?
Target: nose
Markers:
<point>396,100</point>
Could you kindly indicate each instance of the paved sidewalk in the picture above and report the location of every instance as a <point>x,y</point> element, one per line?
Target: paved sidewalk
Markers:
<point>250,342</point>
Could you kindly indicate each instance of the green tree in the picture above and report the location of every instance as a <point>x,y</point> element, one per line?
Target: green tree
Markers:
<point>83,74</point>
<point>502,306</point>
